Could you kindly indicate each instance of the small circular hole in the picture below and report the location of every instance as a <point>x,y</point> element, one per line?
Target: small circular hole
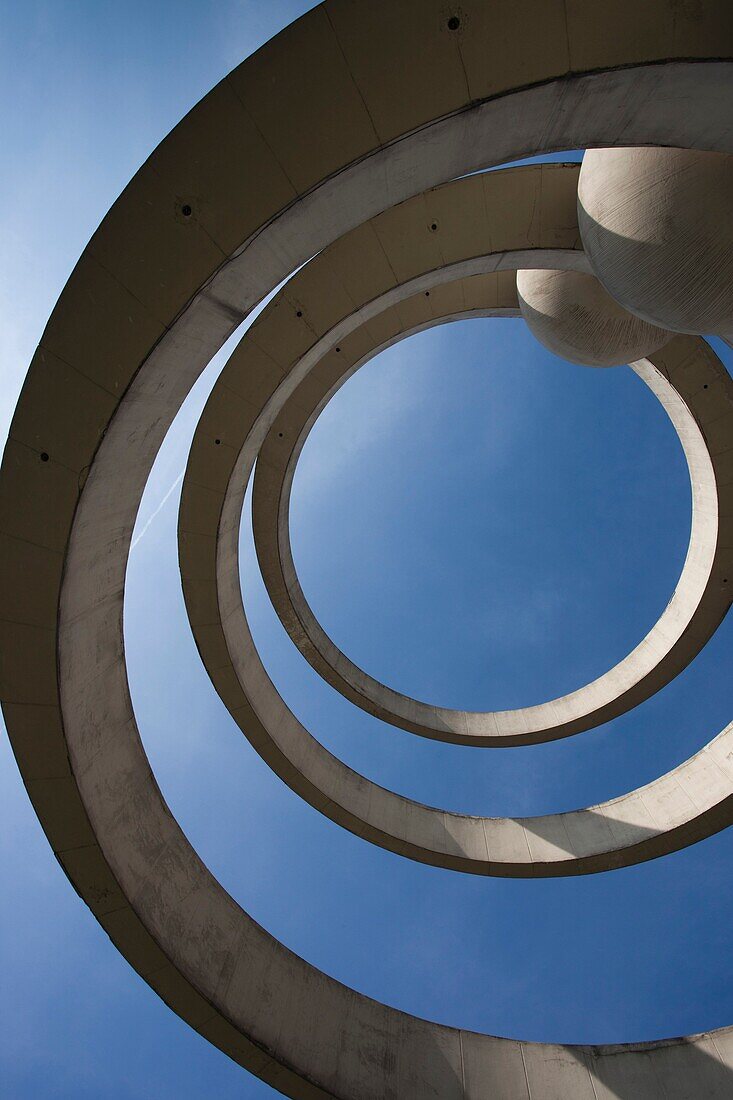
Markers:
<point>725,580</point>
<point>280,434</point>
<point>433,227</point>
<point>186,210</point>
<point>338,349</point>
<point>705,386</point>
<point>44,456</point>
<point>427,293</point>
<point>217,441</point>
<point>454,23</point>
<point>299,313</point>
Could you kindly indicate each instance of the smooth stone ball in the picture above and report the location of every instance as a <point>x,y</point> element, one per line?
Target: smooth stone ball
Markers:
<point>575,318</point>
<point>657,226</point>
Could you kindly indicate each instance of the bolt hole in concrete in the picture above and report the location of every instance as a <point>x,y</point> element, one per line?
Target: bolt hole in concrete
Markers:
<point>454,23</point>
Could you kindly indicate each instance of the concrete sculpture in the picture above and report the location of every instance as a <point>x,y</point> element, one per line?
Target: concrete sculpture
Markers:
<point>574,317</point>
<point>657,227</point>
<point>403,97</point>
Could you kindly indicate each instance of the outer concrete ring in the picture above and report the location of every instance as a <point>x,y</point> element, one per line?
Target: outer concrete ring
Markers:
<point>694,800</point>
<point>154,295</point>
<point>700,599</point>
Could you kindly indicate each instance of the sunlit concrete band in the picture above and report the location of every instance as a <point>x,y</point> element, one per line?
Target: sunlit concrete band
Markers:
<point>232,201</point>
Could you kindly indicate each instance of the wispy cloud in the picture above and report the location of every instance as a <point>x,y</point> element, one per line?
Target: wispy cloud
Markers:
<point>156,511</point>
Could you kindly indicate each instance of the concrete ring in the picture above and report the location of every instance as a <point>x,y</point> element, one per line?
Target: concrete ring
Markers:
<point>233,200</point>
<point>675,810</point>
<point>700,599</point>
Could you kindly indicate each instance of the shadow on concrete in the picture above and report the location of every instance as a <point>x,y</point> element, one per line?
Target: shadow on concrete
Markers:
<point>677,1069</point>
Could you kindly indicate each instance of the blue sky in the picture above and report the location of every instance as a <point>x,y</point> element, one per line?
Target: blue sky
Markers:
<point>475,523</point>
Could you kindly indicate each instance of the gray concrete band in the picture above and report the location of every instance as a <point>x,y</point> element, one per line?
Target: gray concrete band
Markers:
<point>697,606</point>
<point>101,393</point>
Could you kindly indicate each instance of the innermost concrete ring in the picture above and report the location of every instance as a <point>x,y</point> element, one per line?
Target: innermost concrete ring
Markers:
<point>230,437</point>
<point>691,614</point>
<point>325,322</point>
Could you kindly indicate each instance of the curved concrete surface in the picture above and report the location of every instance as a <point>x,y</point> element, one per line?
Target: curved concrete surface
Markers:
<point>573,316</point>
<point>236,197</point>
<point>700,600</point>
<point>657,225</point>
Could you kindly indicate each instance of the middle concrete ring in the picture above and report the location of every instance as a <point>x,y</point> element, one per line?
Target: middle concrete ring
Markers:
<point>436,245</point>
<point>309,360</point>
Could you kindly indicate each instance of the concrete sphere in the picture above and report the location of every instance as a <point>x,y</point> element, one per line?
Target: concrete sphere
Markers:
<point>657,226</point>
<point>575,318</point>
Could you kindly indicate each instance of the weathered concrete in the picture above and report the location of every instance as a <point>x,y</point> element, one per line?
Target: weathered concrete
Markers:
<point>573,316</point>
<point>657,225</point>
<point>235,198</point>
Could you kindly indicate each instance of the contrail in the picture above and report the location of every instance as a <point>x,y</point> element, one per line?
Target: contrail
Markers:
<point>150,518</point>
